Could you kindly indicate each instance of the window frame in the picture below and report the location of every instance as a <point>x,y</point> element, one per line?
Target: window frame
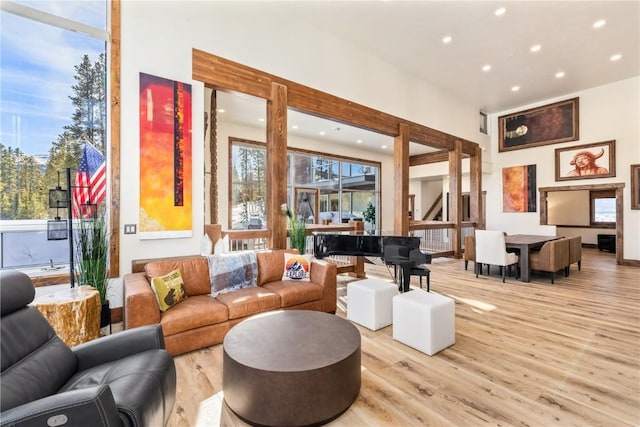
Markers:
<point>593,197</point>
<point>324,157</point>
<point>111,37</point>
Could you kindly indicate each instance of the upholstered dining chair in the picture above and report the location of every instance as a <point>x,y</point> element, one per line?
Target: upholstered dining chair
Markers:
<point>575,253</point>
<point>491,249</point>
<point>469,249</point>
<point>553,256</point>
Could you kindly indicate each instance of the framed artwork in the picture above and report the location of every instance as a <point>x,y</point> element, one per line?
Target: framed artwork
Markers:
<point>165,158</point>
<point>635,186</point>
<point>549,124</point>
<point>586,161</point>
<point>519,189</point>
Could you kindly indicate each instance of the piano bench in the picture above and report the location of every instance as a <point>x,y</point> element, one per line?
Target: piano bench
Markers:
<point>369,303</point>
<point>422,272</point>
<point>425,321</point>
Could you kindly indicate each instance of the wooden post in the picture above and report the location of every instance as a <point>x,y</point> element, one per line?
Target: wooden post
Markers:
<point>475,191</point>
<point>455,196</point>
<point>401,181</point>
<point>213,160</point>
<point>357,261</point>
<point>277,165</point>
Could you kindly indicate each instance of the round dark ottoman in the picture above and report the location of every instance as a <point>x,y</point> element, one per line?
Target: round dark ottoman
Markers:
<point>291,368</point>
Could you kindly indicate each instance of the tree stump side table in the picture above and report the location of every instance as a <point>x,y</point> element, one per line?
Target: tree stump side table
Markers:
<point>73,313</point>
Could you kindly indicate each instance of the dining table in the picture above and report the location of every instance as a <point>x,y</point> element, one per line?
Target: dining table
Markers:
<point>524,243</point>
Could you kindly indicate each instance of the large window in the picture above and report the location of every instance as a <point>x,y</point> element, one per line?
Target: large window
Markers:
<point>321,188</point>
<point>603,208</point>
<point>53,87</point>
<point>248,185</point>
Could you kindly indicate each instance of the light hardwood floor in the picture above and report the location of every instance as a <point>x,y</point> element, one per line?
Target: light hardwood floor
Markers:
<point>526,354</point>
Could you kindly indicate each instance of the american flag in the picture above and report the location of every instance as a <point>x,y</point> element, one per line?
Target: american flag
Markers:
<point>91,182</point>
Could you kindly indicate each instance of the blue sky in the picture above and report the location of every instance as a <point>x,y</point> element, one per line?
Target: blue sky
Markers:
<point>37,68</point>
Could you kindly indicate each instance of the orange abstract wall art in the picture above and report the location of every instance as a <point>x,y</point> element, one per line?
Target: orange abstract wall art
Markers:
<point>165,158</point>
<point>519,189</point>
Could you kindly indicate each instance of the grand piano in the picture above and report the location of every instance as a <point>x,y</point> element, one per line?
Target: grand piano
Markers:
<point>399,251</point>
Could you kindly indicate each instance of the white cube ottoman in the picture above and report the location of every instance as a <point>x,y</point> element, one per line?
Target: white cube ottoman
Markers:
<point>369,303</point>
<point>425,321</point>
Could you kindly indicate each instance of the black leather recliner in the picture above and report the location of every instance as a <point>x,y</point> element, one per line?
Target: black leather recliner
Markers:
<point>125,379</point>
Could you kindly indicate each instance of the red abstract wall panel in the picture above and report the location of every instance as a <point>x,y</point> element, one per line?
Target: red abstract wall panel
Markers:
<point>165,158</point>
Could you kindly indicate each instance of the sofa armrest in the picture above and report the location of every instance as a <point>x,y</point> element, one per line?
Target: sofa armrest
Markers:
<point>118,346</point>
<point>81,407</point>
<point>140,303</point>
<point>324,274</point>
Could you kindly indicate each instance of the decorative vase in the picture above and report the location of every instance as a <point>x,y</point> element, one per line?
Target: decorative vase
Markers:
<point>105,315</point>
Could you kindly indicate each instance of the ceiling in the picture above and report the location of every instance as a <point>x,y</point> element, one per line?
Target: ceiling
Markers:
<point>409,35</point>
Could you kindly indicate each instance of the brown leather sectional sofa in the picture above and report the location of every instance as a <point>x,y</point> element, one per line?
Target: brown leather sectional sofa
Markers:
<point>202,320</point>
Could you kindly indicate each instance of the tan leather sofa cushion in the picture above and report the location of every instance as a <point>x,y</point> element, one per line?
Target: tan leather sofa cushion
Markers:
<point>193,313</point>
<point>249,301</point>
<point>295,293</point>
<point>271,265</point>
<point>194,271</point>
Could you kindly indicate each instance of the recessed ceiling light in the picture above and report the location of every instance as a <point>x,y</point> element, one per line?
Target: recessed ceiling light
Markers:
<point>384,147</point>
<point>220,110</point>
<point>616,57</point>
<point>559,74</point>
<point>535,48</point>
<point>261,119</point>
<point>321,133</point>
<point>599,23</point>
<point>359,141</point>
<point>500,12</point>
<point>486,68</point>
<point>446,39</point>
<point>515,88</point>
<point>294,126</point>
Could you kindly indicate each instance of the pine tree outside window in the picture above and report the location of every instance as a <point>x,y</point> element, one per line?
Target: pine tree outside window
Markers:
<point>47,117</point>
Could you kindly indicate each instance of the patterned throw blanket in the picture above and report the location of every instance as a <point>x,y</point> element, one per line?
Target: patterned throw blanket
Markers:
<point>233,271</point>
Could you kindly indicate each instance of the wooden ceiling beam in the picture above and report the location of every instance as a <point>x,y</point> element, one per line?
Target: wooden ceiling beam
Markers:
<point>224,74</point>
<point>428,158</point>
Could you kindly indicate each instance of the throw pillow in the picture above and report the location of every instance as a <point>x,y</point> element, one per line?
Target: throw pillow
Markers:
<point>169,289</point>
<point>206,245</point>
<point>222,246</point>
<point>233,271</point>
<point>297,267</point>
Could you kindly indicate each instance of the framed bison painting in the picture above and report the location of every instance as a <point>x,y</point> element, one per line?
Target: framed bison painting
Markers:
<point>586,161</point>
<point>549,124</point>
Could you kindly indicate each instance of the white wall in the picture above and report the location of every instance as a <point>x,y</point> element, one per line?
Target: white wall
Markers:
<point>609,112</point>
<point>158,37</point>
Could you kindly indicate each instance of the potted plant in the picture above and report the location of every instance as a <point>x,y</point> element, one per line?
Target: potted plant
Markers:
<point>297,230</point>
<point>92,249</point>
<point>369,215</point>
